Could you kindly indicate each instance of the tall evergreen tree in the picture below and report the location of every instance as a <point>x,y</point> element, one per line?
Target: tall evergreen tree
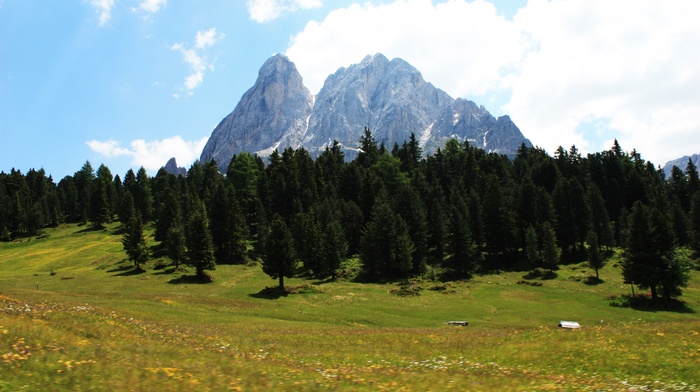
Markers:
<point>385,248</point>
<point>695,224</point>
<point>595,259</point>
<point>280,256</point>
<point>175,243</point>
<point>100,211</point>
<point>134,242</point>
<point>461,248</point>
<point>227,225</point>
<point>551,252</point>
<point>200,250</point>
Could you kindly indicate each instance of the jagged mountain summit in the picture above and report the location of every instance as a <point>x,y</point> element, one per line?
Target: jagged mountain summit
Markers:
<point>172,168</point>
<point>390,97</point>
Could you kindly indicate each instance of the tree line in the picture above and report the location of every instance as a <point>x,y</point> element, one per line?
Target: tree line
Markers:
<point>457,212</point>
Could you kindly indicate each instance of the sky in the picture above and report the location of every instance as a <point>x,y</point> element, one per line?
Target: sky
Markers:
<point>131,83</point>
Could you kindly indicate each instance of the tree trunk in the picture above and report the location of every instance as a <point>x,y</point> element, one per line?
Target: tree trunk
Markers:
<point>200,270</point>
<point>596,274</point>
<point>281,286</point>
<point>654,295</point>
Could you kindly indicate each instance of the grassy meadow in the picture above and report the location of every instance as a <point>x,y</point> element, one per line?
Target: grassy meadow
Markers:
<point>74,317</point>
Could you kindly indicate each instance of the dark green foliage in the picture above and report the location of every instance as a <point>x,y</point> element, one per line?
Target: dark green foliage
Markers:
<point>280,256</point>
<point>595,258</point>
<point>175,243</point>
<point>695,223</point>
<point>386,248</point>
<point>461,249</point>
<point>532,247</point>
<point>650,259</point>
<point>551,253</point>
<point>227,225</point>
<point>200,250</point>
<point>459,210</point>
<point>134,242</point>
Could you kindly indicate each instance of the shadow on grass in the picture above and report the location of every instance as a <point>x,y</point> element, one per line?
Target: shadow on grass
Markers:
<point>593,281</point>
<point>131,272</point>
<point>90,229</point>
<point>644,303</point>
<point>121,268</point>
<point>270,293</point>
<point>164,271</point>
<point>191,279</point>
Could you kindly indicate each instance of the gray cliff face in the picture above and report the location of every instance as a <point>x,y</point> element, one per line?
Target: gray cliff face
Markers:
<point>681,163</point>
<point>172,168</point>
<point>389,97</point>
<point>272,114</point>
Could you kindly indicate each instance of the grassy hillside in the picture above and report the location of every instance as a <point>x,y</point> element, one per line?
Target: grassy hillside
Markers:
<point>74,317</point>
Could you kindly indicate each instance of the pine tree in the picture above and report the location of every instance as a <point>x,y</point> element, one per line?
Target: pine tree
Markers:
<point>334,249</point>
<point>227,225</point>
<point>280,257</point>
<point>551,253</point>
<point>175,243</point>
<point>134,242</point>
<point>385,248</point>
<point>460,246</point>
<point>100,212</point>
<point>595,259</point>
<point>695,224</point>
<point>532,247</point>
<point>200,250</point>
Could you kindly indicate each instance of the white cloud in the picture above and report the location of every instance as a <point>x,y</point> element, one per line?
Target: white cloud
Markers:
<point>571,72</point>
<point>263,11</point>
<point>464,48</point>
<point>103,9</point>
<point>150,6</point>
<point>628,66</point>
<point>196,58</point>
<point>152,155</point>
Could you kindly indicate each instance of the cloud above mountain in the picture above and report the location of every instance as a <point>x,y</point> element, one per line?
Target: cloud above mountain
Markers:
<point>568,72</point>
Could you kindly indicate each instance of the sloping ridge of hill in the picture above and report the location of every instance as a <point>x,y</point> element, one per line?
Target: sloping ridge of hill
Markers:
<point>390,97</point>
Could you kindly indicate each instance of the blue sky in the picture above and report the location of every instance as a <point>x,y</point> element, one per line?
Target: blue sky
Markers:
<point>130,83</point>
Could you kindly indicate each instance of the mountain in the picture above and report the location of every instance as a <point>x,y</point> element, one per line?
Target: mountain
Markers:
<point>274,113</point>
<point>388,96</point>
<point>681,163</point>
<point>172,168</point>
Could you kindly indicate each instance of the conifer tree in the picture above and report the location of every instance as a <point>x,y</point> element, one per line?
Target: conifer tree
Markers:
<point>280,256</point>
<point>595,259</point>
<point>134,242</point>
<point>175,243</point>
<point>695,224</point>
<point>551,252</point>
<point>200,250</point>
<point>532,247</point>
<point>385,248</point>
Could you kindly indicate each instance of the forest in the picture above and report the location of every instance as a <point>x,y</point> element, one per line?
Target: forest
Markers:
<point>458,212</point>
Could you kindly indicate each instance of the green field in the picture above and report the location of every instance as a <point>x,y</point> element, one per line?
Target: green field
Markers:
<point>74,317</point>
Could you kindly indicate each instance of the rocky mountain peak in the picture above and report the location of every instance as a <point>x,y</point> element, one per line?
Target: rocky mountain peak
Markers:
<point>388,96</point>
<point>271,114</point>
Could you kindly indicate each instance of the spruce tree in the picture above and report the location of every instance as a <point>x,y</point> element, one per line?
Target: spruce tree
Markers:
<point>200,250</point>
<point>175,243</point>
<point>551,252</point>
<point>280,257</point>
<point>134,242</point>
<point>532,247</point>
<point>695,224</point>
<point>595,259</point>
